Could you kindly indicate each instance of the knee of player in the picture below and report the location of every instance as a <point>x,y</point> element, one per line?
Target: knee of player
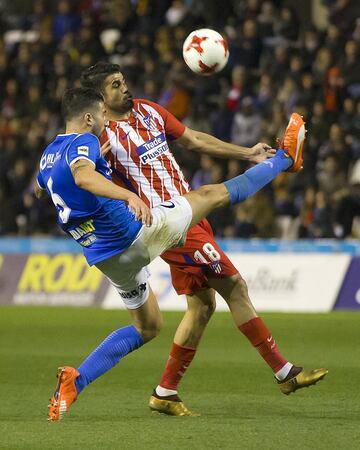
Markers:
<point>150,330</point>
<point>215,194</point>
<point>240,290</point>
<point>208,309</point>
<point>201,310</point>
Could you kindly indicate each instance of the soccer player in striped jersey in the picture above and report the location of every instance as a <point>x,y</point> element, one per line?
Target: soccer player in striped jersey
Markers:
<point>140,133</point>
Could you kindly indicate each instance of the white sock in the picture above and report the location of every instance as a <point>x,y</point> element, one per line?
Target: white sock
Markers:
<point>163,392</point>
<point>283,372</point>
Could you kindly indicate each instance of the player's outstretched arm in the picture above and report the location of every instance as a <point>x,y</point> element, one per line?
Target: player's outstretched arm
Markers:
<point>205,143</point>
<point>238,189</point>
<point>86,177</point>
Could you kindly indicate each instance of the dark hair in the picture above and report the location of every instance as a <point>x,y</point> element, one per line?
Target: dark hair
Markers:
<point>77,100</point>
<point>94,76</point>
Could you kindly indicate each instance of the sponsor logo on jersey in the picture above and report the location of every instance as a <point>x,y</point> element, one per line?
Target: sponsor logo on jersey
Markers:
<point>88,240</point>
<point>168,204</point>
<point>216,267</point>
<point>48,160</point>
<point>135,292</point>
<point>147,120</point>
<point>153,148</point>
<point>83,150</point>
<point>83,233</point>
<point>125,136</point>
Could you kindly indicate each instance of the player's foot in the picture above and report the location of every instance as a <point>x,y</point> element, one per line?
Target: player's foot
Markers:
<point>171,405</point>
<point>65,393</point>
<point>293,141</point>
<point>299,378</point>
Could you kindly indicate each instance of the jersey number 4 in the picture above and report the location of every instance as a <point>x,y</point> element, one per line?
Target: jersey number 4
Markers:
<point>63,209</point>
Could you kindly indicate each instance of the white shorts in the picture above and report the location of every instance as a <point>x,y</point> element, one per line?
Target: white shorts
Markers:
<point>127,271</point>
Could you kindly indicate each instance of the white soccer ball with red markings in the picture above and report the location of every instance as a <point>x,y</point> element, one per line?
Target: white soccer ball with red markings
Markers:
<point>205,51</point>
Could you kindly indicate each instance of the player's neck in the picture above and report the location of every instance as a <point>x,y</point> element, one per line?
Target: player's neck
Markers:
<point>75,127</point>
<point>115,115</point>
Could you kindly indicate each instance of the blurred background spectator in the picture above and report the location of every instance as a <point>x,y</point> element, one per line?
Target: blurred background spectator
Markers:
<point>280,60</point>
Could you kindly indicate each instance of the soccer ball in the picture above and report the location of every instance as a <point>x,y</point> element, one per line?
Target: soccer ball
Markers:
<point>205,51</point>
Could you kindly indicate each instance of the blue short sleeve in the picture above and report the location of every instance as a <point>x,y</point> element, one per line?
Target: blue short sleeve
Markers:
<point>86,146</point>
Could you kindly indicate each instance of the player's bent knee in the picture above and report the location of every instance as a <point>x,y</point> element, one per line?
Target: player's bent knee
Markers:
<point>239,291</point>
<point>214,194</point>
<point>202,313</point>
<point>150,330</point>
<point>208,309</point>
<point>201,310</point>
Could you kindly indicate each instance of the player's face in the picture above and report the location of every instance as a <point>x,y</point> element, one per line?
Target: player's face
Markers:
<point>116,93</point>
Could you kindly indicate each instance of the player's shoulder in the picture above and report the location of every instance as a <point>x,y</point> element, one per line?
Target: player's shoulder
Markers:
<point>84,141</point>
<point>151,109</point>
<point>85,137</point>
<point>84,144</point>
<point>138,102</point>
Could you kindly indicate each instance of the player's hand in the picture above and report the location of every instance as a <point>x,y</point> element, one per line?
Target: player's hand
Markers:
<point>141,211</point>
<point>260,152</point>
<point>105,147</point>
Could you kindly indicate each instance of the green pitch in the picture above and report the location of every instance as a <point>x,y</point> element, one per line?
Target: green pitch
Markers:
<point>241,405</point>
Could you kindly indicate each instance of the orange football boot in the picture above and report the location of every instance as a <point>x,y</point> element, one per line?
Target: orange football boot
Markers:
<point>293,141</point>
<point>65,393</point>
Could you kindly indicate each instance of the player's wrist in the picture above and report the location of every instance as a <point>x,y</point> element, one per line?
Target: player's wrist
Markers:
<point>128,196</point>
<point>248,153</point>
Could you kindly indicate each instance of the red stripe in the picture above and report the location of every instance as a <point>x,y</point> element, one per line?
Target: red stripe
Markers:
<point>166,162</point>
<point>119,182</point>
<point>174,175</point>
<point>117,165</point>
<point>146,170</point>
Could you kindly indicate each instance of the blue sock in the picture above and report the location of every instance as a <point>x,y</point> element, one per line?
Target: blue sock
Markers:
<point>244,186</point>
<point>117,345</point>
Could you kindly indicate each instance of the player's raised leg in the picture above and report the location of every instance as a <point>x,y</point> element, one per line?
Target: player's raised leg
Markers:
<point>209,197</point>
<point>147,322</point>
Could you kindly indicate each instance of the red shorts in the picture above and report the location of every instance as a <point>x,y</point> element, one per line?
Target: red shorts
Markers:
<point>199,259</point>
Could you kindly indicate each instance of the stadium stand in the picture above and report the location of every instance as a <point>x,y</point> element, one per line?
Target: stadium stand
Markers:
<point>278,63</point>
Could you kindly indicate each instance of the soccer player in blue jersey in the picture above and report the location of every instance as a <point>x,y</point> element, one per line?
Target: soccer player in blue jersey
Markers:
<point>121,235</point>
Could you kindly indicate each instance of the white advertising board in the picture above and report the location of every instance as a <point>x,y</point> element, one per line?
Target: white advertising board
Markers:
<point>286,282</point>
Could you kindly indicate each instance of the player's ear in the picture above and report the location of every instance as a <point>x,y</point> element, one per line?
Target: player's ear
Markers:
<point>89,120</point>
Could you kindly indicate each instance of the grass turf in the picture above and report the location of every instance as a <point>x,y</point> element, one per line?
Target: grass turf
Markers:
<point>241,406</point>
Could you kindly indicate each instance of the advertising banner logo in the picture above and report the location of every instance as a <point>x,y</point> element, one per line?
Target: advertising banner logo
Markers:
<point>47,279</point>
<point>276,282</point>
<point>349,296</point>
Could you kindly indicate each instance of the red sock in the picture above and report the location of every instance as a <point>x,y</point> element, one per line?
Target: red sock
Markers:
<point>179,360</point>
<point>260,337</point>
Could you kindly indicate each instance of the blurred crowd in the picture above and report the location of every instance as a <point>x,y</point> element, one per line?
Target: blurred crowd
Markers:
<point>279,62</point>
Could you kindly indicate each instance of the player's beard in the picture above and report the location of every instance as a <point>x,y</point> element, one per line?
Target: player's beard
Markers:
<point>125,106</point>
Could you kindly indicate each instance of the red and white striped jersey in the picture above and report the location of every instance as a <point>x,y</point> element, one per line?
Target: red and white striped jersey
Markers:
<point>140,157</point>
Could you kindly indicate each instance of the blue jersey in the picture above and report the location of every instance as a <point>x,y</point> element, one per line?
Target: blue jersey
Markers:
<point>102,226</point>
